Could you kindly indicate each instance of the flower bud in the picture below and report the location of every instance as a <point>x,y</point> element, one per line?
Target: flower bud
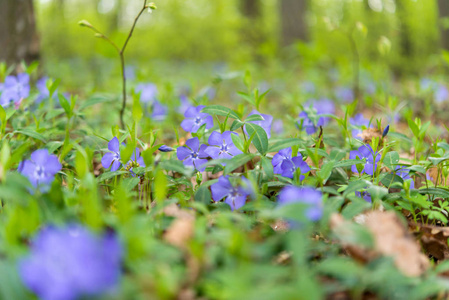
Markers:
<point>84,23</point>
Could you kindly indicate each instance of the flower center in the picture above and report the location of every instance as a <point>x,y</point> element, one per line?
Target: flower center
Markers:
<point>194,155</point>
<point>224,149</point>
<point>197,120</point>
<point>39,172</point>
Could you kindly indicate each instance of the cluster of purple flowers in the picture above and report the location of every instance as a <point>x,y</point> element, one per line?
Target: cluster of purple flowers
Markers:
<point>148,96</point>
<point>71,262</point>
<point>439,91</point>
<point>306,195</point>
<point>365,152</point>
<point>310,120</point>
<point>286,165</point>
<point>112,159</point>
<point>14,89</point>
<point>235,195</point>
<point>359,122</point>
<point>40,169</point>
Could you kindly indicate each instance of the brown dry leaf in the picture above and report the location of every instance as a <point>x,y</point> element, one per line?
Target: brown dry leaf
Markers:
<point>280,225</point>
<point>367,135</point>
<point>433,239</point>
<point>182,228</point>
<point>391,238</point>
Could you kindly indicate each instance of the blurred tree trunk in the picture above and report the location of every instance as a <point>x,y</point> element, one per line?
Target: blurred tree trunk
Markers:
<point>18,36</point>
<point>443,12</point>
<point>406,42</point>
<point>116,17</point>
<point>251,8</point>
<point>293,19</point>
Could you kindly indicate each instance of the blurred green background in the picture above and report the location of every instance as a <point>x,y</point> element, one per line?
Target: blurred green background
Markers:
<point>190,41</point>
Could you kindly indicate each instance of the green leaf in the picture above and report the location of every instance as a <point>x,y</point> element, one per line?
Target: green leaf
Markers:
<point>236,125</point>
<point>377,192</point>
<point>236,162</point>
<point>64,104</point>
<point>108,175</point>
<point>93,101</point>
<point>285,143</point>
<point>326,170</point>
<point>203,195</point>
<point>31,133</point>
<point>438,192</point>
<point>175,166</point>
<point>389,179</point>
<point>238,142</point>
<point>267,167</point>
<point>348,162</point>
<point>260,139</point>
<point>220,111</point>
<point>391,159</point>
<point>413,127</point>
<point>254,118</point>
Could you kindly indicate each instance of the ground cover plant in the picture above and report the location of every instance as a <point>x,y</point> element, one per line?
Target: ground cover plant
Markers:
<point>240,189</point>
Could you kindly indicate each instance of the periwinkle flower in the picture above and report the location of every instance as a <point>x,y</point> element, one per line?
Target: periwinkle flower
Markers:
<point>147,92</point>
<point>307,195</point>
<point>112,159</point>
<point>165,148</point>
<point>222,146</point>
<point>359,121</point>
<point>365,195</point>
<point>135,161</point>
<point>158,111</point>
<point>195,119</point>
<point>279,158</point>
<point>278,127</point>
<point>41,169</point>
<point>441,93</point>
<point>265,124</point>
<point>184,104</point>
<point>193,155</point>
<point>404,173</point>
<point>386,130</point>
<point>317,108</point>
<point>15,89</point>
<point>71,262</point>
<point>44,92</point>
<point>344,94</point>
<point>367,153</point>
<point>285,165</point>
<point>235,196</point>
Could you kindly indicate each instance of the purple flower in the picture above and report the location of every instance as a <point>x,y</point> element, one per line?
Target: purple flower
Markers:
<point>222,146</point>
<point>278,127</point>
<point>15,89</point>
<point>44,92</point>
<point>184,104</point>
<point>41,169</point>
<point>113,157</point>
<point>193,155</point>
<point>159,111</point>
<point>308,87</point>
<point>289,167</point>
<point>365,195</point>
<point>365,152</point>
<point>135,161</point>
<point>165,148</point>
<point>265,124</point>
<point>284,164</point>
<point>345,94</point>
<point>359,121</point>
<point>235,195</point>
<point>279,158</point>
<point>386,130</point>
<point>441,94</point>
<point>307,195</point>
<point>148,92</point>
<point>404,173</point>
<point>315,109</point>
<point>195,119</point>
<point>427,84</point>
<point>71,262</point>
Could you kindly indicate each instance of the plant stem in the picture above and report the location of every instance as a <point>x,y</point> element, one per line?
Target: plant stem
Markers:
<point>122,64</point>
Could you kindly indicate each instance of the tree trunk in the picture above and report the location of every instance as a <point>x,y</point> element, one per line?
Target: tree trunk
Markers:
<point>18,37</point>
<point>293,20</point>
<point>250,8</point>
<point>443,9</point>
